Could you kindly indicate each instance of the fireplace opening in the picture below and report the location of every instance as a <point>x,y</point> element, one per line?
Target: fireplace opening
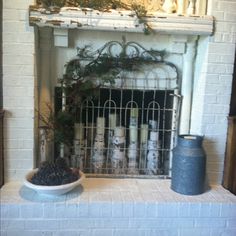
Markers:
<point>128,125</point>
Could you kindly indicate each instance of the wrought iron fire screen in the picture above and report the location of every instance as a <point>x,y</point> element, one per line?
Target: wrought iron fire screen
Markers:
<point>125,103</point>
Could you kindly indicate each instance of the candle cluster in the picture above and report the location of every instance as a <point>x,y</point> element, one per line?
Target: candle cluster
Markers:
<point>129,149</point>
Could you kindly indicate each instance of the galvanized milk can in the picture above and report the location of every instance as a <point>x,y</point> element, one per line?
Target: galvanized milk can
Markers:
<point>188,165</point>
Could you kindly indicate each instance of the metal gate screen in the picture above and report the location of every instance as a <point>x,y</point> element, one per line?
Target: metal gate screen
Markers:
<point>129,127</point>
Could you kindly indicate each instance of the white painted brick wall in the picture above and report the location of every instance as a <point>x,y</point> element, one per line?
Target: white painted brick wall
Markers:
<point>89,211</point>
<point>212,85</point>
<point>213,108</point>
<point>18,88</point>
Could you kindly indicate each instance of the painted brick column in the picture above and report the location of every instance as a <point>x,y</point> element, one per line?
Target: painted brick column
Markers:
<point>18,88</point>
<point>213,82</point>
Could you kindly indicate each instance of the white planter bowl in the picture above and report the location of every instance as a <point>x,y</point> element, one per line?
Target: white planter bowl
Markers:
<point>52,190</point>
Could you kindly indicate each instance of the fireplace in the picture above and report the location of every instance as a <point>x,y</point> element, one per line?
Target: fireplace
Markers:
<point>204,63</point>
<point>124,101</point>
<point>162,89</point>
<point>172,78</point>
<point>34,59</point>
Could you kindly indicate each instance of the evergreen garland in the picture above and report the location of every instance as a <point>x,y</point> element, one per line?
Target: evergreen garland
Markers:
<point>101,5</point>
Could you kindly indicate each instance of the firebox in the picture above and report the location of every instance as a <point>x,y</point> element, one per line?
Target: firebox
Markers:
<point>121,108</point>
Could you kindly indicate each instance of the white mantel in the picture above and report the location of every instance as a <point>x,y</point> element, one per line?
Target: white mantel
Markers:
<point>121,21</point>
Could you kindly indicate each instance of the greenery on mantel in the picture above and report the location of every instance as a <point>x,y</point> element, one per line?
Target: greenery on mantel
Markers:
<point>101,5</point>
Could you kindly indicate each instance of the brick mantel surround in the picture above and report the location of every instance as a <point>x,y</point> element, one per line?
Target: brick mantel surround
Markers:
<point>212,213</point>
<point>211,96</point>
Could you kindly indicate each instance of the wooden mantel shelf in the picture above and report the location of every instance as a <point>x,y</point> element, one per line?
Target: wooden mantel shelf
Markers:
<point>122,21</point>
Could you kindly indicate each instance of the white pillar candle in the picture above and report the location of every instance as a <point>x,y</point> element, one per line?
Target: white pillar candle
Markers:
<point>153,136</point>
<point>153,125</point>
<point>133,134</point>
<point>119,131</point>
<point>134,117</point>
<point>43,145</point>
<point>112,121</point>
<point>118,154</point>
<point>144,133</point>
<point>79,131</point>
<point>134,112</point>
<point>100,125</point>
